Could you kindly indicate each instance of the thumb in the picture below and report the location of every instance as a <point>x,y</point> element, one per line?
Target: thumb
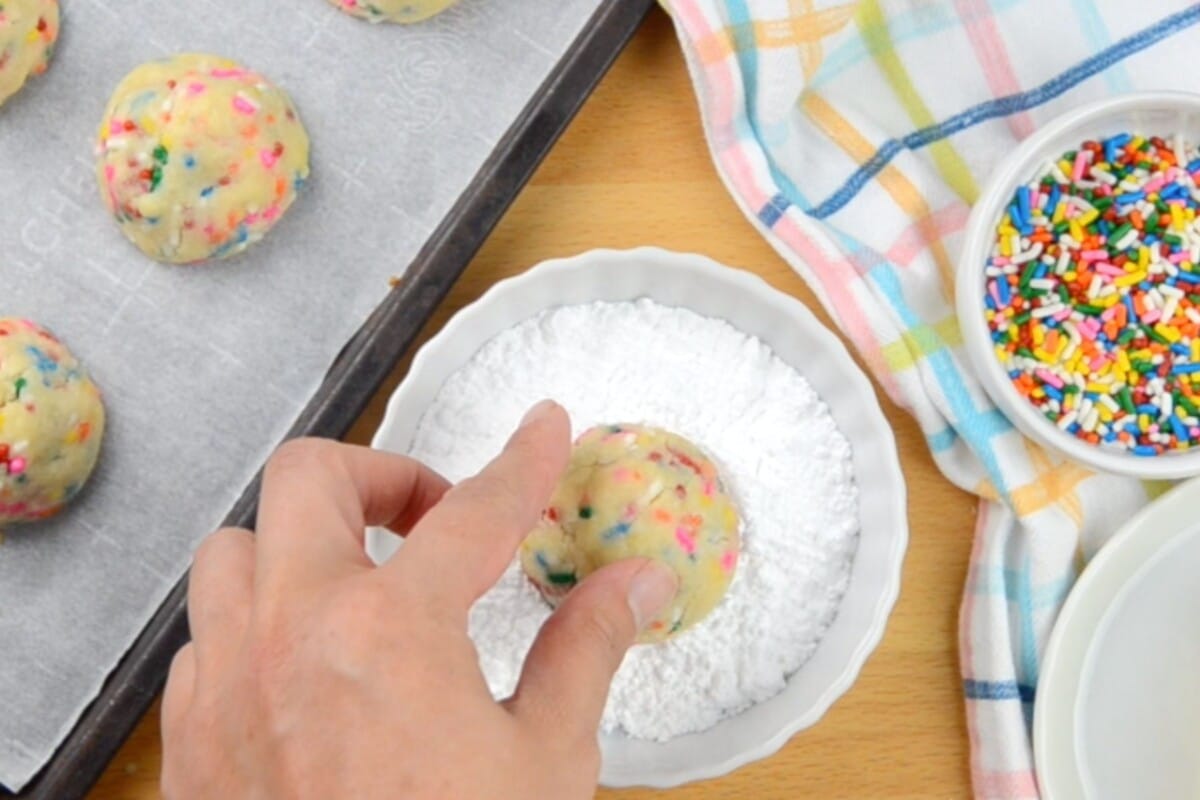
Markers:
<point>565,681</point>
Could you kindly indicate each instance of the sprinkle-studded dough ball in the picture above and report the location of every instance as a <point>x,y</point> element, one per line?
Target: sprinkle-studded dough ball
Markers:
<point>51,423</point>
<point>631,491</point>
<point>405,11</point>
<point>198,157</point>
<point>28,30</point>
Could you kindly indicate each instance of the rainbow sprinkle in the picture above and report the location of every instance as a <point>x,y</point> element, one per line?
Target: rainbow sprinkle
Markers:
<point>1093,293</point>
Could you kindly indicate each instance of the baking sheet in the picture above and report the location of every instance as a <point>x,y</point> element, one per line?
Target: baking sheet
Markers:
<point>205,368</point>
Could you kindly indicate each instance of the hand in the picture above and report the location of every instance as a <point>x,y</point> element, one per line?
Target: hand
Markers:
<point>313,673</point>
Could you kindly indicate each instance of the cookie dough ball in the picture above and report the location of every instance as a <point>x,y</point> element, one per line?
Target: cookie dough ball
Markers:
<point>28,30</point>
<point>405,11</point>
<point>198,157</point>
<point>630,491</point>
<point>51,423</point>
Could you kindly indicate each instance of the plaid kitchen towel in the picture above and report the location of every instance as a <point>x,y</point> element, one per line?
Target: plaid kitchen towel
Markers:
<point>855,136</point>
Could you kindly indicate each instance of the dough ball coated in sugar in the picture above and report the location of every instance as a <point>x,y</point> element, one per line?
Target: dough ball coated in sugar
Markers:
<point>198,157</point>
<point>28,30</point>
<point>403,11</point>
<point>629,491</point>
<point>51,423</point>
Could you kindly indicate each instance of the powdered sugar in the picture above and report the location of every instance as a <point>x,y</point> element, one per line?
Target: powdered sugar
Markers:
<point>781,456</point>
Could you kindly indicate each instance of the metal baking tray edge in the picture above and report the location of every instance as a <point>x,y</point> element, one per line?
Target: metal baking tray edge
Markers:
<point>355,376</point>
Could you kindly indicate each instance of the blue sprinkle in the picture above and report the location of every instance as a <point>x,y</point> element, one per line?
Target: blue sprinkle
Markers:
<point>1149,409</point>
<point>1004,292</point>
<point>1144,450</point>
<point>189,161</point>
<point>1193,165</point>
<point>617,531</point>
<point>1052,392</point>
<point>45,364</point>
<point>207,192</point>
<point>1188,277</point>
<point>1180,431</point>
<point>1130,197</point>
<point>1181,348</point>
<point>1185,369</point>
<point>1023,203</point>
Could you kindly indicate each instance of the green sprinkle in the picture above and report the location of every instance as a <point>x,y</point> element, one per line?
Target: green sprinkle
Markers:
<point>1126,336</point>
<point>1158,337</point>
<point>155,177</point>
<point>1023,317</point>
<point>1126,400</point>
<point>160,154</point>
<point>561,578</point>
<point>1103,203</point>
<point>19,385</point>
<point>585,512</point>
<point>1116,235</point>
<point>1181,399</point>
<point>1172,239</point>
<point>1026,352</point>
<point>1088,308</point>
<point>1028,273</point>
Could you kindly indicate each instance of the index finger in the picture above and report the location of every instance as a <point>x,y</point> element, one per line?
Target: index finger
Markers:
<point>317,497</point>
<point>462,546</point>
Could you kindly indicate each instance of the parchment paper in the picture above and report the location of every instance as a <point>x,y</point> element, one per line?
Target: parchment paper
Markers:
<point>204,368</point>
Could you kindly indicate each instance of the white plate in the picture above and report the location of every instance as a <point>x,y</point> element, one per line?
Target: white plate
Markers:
<point>749,304</point>
<point>1118,708</point>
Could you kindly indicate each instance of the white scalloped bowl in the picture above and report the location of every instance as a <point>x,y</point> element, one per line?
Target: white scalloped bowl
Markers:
<point>749,304</point>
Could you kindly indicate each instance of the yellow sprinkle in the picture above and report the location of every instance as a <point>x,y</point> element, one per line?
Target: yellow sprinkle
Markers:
<point>1076,231</point>
<point>1060,213</point>
<point>1123,359</point>
<point>1087,217</point>
<point>1066,167</point>
<point>1177,222</point>
<point>1005,246</point>
<point>1098,388</point>
<point>1105,414</point>
<point>1039,335</point>
<point>1106,302</point>
<point>1143,257</point>
<point>1130,280</point>
<point>1172,335</point>
<point>1143,422</point>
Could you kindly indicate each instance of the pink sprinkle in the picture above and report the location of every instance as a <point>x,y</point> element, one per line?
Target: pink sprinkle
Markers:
<point>1154,185</point>
<point>1108,313</point>
<point>729,560</point>
<point>1195,432</point>
<point>1175,258</point>
<point>1077,170</point>
<point>621,474</point>
<point>1086,331</point>
<point>1093,255</point>
<point>1105,268</point>
<point>1096,363</point>
<point>268,158</point>
<point>1152,316</point>
<point>995,293</point>
<point>1153,428</point>
<point>1061,315</point>
<point>110,172</point>
<point>271,213</point>
<point>227,73</point>
<point>196,88</point>
<point>115,127</point>
<point>1049,377</point>
<point>16,466</point>
<point>709,488</point>
<point>1001,261</point>
<point>243,106</point>
<point>686,540</point>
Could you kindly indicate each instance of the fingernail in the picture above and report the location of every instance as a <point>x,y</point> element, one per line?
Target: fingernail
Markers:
<point>651,589</point>
<point>537,413</point>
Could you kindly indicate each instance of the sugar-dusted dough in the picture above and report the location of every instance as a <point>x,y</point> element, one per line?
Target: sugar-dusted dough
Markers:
<point>198,157</point>
<point>51,423</point>
<point>405,11</point>
<point>632,490</point>
<point>28,30</point>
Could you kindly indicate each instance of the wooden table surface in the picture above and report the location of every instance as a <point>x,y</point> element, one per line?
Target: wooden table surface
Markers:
<point>633,169</point>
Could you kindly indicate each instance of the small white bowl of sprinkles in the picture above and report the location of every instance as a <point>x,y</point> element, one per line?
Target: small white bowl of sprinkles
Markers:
<point>745,372</point>
<point>1078,287</point>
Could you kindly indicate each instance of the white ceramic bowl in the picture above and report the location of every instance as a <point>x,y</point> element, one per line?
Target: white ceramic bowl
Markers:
<point>750,305</point>
<point>1152,113</point>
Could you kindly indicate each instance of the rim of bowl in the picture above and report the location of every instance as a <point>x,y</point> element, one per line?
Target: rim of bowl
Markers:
<point>882,462</point>
<point>1016,168</point>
